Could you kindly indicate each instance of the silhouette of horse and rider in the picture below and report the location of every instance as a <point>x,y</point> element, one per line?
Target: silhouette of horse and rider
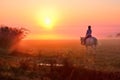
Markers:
<point>89,40</point>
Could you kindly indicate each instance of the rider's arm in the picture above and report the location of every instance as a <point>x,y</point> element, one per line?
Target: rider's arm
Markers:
<point>89,32</point>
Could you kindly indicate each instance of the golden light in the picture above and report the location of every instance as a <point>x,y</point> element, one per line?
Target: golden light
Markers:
<point>47,18</point>
<point>46,37</point>
<point>47,21</point>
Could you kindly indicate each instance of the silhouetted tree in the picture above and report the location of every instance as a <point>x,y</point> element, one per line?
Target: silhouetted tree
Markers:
<point>10,36</point>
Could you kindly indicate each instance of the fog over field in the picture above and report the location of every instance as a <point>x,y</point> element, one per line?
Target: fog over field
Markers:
<point>53,59</point>
<point>107,54</point>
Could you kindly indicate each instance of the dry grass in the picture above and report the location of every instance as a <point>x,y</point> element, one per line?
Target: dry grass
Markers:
<point>104,65</point>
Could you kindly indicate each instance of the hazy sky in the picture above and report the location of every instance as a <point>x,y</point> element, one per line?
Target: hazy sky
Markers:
<point>65,19</point>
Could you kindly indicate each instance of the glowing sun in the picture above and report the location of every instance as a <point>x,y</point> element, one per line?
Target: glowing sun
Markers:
<point>48,23</point>
<point>47,18</point>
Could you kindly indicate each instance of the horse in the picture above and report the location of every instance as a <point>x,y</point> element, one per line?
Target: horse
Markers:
<point>90,42</point>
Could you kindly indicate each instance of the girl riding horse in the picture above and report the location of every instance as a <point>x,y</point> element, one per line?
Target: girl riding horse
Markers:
<point>88,34</point>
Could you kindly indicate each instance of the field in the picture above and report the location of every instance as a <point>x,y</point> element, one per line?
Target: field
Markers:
<point>61,60</point>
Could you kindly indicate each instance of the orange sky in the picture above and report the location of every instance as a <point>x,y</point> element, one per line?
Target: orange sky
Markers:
<point>69,18</point>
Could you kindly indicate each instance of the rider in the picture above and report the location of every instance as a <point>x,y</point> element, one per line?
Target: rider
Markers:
<point>88,33</point>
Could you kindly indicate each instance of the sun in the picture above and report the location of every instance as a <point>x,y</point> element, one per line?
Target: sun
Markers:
<point>47,21</point>
<point>47,18</point>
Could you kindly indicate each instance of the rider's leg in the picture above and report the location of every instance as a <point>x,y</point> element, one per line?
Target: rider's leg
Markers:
<point>86,38</point>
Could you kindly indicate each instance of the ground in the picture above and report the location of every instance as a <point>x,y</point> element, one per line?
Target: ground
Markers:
<point>29,61</point>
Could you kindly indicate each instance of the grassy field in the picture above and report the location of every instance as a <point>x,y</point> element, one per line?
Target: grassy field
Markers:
<point>107,55</point>
<point>61,60</point>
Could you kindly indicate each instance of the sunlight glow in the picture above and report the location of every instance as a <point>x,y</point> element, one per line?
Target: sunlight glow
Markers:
<point>47,21</point>
<point>47,18</point>
<point>48,37</point>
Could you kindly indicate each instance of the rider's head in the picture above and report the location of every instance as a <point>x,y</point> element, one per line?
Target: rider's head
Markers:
<point>89,27</point>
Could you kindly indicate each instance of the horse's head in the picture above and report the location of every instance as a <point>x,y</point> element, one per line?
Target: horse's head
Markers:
<point>82,40</point>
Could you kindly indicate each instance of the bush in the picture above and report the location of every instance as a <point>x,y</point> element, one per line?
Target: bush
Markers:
<point>10,36</point>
